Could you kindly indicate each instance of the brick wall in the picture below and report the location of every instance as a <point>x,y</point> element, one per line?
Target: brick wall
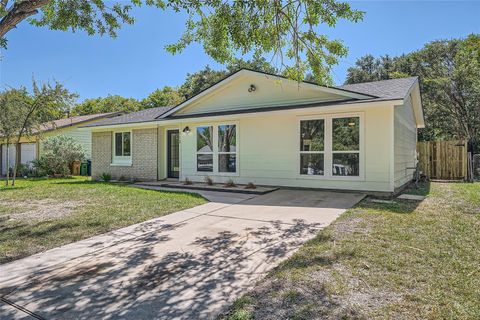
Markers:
<point>144,156</point>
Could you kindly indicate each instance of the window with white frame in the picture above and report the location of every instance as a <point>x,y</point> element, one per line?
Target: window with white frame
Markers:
<point>122,146</point>
<point>330,146</point>
<point>312,147</point>
<point>217,149</point>
<point>205,149</point>
<point>227,148</point>
<point>346,146</point>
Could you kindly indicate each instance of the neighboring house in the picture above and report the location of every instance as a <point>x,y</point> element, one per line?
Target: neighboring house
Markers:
<point>30,147</point>
<point>265,129</point>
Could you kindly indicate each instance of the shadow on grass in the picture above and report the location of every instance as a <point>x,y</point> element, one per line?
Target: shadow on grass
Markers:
<point>395,205</point>
<point>7,189</point>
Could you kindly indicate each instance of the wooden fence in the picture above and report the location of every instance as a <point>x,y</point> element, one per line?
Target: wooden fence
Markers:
<point>443,160</point>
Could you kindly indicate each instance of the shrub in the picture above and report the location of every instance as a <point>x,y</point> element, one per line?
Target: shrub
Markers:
<point>250,185</point>
<point>230,184</point>
<point>106,176</point>
<point>57,154</point>
<point>24,170</point>
<point>208,181</point>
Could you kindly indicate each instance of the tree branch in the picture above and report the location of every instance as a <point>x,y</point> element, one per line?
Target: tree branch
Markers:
<point>18,12</point>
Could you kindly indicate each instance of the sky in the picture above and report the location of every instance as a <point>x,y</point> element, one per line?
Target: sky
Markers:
<point>135,63</point>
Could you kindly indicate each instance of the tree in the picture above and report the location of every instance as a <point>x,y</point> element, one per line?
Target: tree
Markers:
<point>450,86</point>
<point>167,96</point>
<point>108,104</point>
<point>257,63</point>
<point>27,112</point>
<point>284,29</point>
<point>200,80</point>
<point>58,153</point>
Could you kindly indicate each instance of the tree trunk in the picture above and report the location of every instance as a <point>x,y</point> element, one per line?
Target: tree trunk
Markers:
<point>7,163</point>
<point>17,160</point>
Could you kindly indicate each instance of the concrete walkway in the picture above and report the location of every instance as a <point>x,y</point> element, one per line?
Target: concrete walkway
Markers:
<point>187,265</point>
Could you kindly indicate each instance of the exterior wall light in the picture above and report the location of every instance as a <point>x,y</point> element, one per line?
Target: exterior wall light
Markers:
<point>252,88</point>
<point>186,130</point>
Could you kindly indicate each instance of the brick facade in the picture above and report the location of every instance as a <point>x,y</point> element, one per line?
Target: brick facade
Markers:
<point>144,156</point>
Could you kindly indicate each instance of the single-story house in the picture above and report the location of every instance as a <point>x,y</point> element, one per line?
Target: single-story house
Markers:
<point>30,147</point>
<point>268,130</point>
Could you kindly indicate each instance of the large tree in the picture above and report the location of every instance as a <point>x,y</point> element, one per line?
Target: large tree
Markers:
<point>108,104</point>
<point>167,96</point>
<point>27,112</point>
<point>283,29</point>
<point>450,85</point>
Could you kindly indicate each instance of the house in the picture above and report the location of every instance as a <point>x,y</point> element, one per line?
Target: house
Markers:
<point>263,128</point>
<point>30,147</point>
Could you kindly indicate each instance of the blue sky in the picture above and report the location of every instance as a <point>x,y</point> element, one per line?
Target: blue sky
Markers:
<point>135,63</point>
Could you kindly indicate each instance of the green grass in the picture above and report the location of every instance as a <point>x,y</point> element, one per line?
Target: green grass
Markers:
<point>37,215</point>
<point>402,260</point>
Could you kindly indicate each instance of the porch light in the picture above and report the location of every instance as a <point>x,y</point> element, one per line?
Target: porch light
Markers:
<point>252,88</point>
<point>186,130</point>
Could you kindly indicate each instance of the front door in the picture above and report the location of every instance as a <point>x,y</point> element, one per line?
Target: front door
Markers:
<point>173,153</point>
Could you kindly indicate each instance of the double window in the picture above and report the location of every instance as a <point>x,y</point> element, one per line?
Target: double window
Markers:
<point>217,148</point>
<point>122,146</point>
<point>330,146</point>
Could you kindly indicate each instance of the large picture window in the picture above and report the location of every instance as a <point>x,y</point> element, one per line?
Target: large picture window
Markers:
<point>217,149</point>
<point>330,146</point>
<point>205,149</point>
<point>346,146</point>
<point>122,147</point>
<point>312,147</point>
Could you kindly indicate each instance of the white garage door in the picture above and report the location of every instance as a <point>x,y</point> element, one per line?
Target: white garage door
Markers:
<point>11,157</point>
<point>28,152</point>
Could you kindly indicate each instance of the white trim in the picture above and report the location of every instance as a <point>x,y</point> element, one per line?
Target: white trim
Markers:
<point>125,164</point>
<point>328,150</point>
<point>121,160</point>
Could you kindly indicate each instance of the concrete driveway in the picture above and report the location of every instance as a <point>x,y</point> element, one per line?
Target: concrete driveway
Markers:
<point>187,265</point>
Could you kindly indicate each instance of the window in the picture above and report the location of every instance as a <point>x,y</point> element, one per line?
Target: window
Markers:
<point>227,148</point>
<point>312,145</point>
<point>217,149</point>
<point>346,146</point>
<point>122,146</point>
<point>205,149</point>
<point>330,146</point>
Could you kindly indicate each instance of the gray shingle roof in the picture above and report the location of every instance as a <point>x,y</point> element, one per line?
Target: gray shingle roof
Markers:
<point>140,116</point>
<point>385,89</point>
<point>75,120</point>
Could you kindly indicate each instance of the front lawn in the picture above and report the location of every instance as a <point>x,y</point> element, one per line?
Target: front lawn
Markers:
<point>400,260</point>
<point>38,215</point>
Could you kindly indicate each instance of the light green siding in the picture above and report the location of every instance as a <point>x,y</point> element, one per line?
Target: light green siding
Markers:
<point>269,92</point>
<point>405,143</point>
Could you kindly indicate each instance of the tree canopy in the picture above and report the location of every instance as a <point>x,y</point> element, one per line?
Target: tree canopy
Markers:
<point>450,85</point>
<point>22,113</point>
<point>285,30</point>
<point>108,104</point>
